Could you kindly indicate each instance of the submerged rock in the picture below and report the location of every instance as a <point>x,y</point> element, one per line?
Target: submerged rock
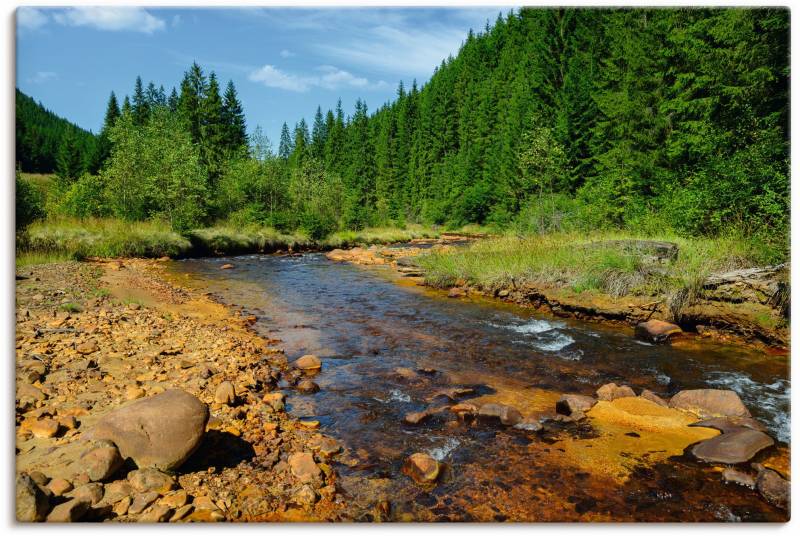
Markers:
<point>710,403</point>
<point>774,488</point>
<point>656,331</point>
<point>737,446</point>
<point>734,476</point>
<point>308,363</point>
<point>421,467</point>
<point>456,292</point>
<point>508,415</point>
<point>307,387</point>
<point>161,431</point>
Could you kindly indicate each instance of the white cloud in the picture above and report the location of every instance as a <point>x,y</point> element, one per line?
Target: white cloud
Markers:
<point>42,76</point>
<point>272,77</point>
<point>30,18</point>
<point>287,53</point>
<point>134,19</point>
<point>329,77</point>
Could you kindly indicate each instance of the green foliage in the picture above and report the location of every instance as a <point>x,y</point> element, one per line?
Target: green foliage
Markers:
<point>155,172</point>
<point>29,203</point>
<point>85,198</point>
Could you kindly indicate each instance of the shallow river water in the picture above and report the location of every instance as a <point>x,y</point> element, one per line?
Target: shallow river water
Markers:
<point>365,322</point>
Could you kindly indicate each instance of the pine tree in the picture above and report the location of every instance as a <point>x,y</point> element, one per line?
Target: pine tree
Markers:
<point>286,146</point>
<point>69,164</point>
<point>233,119</point>
<point>126,107</point>
<point>190,102</point>
<point>172,102</point>
<point>141,106</point>
<point>214,131</point>
<point>319,135</point>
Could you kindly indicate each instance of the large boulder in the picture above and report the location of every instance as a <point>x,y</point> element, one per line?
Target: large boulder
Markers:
<point>733,447</point>
<point>710,403</point>
<point>161,431</point>
<point>656,331</point>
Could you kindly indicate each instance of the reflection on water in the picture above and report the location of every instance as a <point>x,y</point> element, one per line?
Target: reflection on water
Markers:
<point>364,325</point>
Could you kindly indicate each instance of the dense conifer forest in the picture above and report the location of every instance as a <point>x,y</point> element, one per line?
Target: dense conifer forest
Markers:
<point>546,120</point>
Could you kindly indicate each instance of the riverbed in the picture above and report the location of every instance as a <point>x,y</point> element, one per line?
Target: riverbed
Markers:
<point>390,347</point>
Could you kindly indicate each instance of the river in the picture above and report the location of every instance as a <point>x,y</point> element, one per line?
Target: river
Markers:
<point>366,322</point>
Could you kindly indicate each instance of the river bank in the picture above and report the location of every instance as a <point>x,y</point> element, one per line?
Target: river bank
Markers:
<point>619,282</point>
<point>92,337</point>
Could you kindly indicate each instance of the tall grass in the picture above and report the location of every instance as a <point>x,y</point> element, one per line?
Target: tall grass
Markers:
<point>225,239</point>
<point>580,262</point>
<point>107,237</point>
<point>377,235</point>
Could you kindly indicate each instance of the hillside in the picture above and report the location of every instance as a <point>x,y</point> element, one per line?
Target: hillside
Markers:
<point>39,134</point>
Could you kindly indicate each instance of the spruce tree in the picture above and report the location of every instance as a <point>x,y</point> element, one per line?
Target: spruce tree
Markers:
<point>286,147</point>
<point>141,105</point>
<point>233,119</point>
<point>69,164</point>
<point>318,135</point>
<point>213,130</point>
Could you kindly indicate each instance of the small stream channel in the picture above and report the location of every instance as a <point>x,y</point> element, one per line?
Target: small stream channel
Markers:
<point>366,322</point>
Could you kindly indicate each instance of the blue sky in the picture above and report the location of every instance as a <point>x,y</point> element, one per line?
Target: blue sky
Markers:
<point>284,62</point>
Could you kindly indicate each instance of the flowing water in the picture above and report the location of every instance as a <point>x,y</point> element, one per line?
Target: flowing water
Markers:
<point>367,322</point>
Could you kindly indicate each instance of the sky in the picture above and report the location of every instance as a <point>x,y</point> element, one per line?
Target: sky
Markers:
<point>284,62</point>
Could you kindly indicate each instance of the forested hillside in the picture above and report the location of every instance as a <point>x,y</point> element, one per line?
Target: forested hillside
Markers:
<point>683,113</point>
<point>41,134</point>
<point>547,120</point>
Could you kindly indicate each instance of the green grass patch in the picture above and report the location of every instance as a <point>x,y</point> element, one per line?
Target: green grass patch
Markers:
<point>32,258</point>
<point>70,307</point>
<point>104,237</point>
<point>377,235</point>
<point>577,262</point>
<point>225,239</point>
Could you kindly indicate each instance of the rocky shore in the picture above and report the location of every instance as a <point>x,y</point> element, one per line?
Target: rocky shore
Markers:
<point>139,400</point>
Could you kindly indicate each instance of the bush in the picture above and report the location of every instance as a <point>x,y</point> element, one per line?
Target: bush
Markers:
<point>29,203</point>
<point>85,198</point>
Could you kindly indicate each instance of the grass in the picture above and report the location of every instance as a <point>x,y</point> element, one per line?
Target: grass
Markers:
<point>377,235</point>
<point>563,260</point>
<point>70,307</point>
<point>79,239</point>
<point>225,239</point>
<point>31,258</point>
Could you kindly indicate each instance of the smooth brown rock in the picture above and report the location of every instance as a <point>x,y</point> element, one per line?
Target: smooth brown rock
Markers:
<point>31,502</point>
<point>612,391</point>
<point>652,397</point>
<point>733,447</point>
<point>710,403</point>
<point>150,479</point>
<point>569,404</point>
<point>304,468</point>
<point>227,266</point>
<point>775,489</point>
<point>181,512</point>
<point>225,393</point>
<point>656,331</point>
<point>121,507</point>
<point>30,392</point>
<point>729,424</point>
<point>116,491</point>
<point>421,467</point>
<point>161,431</point>
<point>101,462</point>
<point>176,499</point>
<point>415,417</point>
<point>70,511</point>
<point>160,513</point>
<point>508,415</point>
<point>308,363</point>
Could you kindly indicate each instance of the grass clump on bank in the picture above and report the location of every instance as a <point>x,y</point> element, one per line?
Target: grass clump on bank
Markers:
<point>101,237</point>
<point>377,235</point>
<point>225,239</point>
<point>583,262</point>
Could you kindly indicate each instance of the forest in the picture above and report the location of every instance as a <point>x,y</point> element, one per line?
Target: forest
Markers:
<point>546,120</point>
